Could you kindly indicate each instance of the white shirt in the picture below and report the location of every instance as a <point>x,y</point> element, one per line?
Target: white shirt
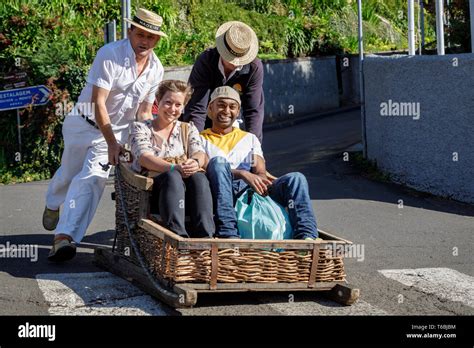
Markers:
<point>143,139</point>
<point>115,69</point>
<point>221,69</point>
<point>237,147</point>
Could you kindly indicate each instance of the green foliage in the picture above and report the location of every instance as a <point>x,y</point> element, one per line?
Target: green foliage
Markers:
<point>55,47</point>
<point>300,39</point>
<point>458,32</point>
<point>260,6</point>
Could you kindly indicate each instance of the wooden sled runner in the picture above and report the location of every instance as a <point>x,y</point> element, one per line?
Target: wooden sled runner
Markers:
<point>175,269</point>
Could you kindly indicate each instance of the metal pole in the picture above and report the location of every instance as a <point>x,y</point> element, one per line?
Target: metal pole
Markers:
<point>440,27</point>
<point>361,79</point>
<point>418,26</point>
<point>448,23</point>
<point>471,8</point>
<point>110,32</point>
<point>18,121</point>
<point>411,27</point>
<point>125,14</point>
<point>422,20</point>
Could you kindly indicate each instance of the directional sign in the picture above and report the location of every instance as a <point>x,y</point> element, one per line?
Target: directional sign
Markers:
<point>12,80</point>
<point>14,76</point>
<point>23,97</point>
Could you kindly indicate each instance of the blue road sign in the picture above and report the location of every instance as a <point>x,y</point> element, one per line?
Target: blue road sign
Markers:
<point>23,97</point>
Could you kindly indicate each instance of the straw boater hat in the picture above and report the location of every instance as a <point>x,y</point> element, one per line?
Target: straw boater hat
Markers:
<point>148,21</point>
<point>236,43</point>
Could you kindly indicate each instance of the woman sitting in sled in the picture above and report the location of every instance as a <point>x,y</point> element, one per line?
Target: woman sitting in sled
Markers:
<point>173,151</point>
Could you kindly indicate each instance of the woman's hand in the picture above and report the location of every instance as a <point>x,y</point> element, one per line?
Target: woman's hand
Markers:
<point>189,167</point>
<point>258,183</point>
<point>179,168</point>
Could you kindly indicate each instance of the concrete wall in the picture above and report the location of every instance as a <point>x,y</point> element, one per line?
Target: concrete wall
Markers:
<point>297,87</point>
<point>177,73</point>
<point>350,80</point>
<point>292,87</point>
<point>421,152</point>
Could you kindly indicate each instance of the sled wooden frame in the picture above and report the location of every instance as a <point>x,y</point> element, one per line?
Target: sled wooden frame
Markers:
<point>185,294</point>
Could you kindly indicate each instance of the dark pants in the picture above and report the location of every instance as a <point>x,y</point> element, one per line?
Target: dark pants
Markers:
<point>174,197</point>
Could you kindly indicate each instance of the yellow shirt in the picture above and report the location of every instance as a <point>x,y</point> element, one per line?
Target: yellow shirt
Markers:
<point>237,147</point>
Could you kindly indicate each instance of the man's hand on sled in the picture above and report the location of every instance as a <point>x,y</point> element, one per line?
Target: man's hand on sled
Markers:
<point>114,153</point>
<point>258,183</point>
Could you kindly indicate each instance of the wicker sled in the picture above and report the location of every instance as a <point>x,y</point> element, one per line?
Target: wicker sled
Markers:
<point>176,269</point>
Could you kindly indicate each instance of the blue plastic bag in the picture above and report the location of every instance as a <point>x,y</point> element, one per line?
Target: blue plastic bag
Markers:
<point>261,217</point>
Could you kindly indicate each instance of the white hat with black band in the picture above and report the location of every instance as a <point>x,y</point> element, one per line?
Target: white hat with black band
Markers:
<point>147,20</point>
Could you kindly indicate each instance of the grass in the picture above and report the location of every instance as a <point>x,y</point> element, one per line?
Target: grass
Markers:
<point>369,168</point>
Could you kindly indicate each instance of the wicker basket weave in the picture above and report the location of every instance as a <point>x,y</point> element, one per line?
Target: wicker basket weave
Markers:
<point>179,260</point>
<point>131,196</point>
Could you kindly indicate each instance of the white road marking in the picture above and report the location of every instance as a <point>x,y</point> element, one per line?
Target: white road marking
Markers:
<point>103,293</point>
<point>443,282</point>
<point>326,307</point>
<point>100,293</point>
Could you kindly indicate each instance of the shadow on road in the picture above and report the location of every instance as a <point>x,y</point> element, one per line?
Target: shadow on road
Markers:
<point>27,267</point>
<point>24,267</point>
<point>317,149</point>
<point>262,298</point>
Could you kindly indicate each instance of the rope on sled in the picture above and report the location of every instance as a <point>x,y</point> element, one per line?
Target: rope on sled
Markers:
<point>150,276</point>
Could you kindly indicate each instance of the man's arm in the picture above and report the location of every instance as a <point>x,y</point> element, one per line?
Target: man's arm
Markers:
<point>253,102</point>
<point>196,109</point>
<point>99,96</point>
<point>144,111</point>
<point>257,177</point>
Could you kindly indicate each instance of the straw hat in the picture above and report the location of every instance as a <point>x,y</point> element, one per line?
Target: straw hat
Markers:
<point>237,43</point>
<point>225,92</point>
<point>148,21</point>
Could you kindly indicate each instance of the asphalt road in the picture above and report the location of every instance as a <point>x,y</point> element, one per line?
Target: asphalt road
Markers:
<point>413,259</point>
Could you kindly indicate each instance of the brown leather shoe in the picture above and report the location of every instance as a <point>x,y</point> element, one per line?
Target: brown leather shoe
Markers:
<point>62,250</point>
<point>50,219</point>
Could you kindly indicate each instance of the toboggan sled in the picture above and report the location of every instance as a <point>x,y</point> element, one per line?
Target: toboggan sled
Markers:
<point>175,269</point>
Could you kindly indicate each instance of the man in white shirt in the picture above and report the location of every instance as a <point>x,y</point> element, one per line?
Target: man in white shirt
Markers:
<point>120,87</point>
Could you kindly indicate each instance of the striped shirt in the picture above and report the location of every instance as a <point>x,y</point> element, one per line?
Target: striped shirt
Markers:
<point>237,147</point>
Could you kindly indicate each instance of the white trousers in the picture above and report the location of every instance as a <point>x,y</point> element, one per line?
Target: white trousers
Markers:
<point>79,182</point>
